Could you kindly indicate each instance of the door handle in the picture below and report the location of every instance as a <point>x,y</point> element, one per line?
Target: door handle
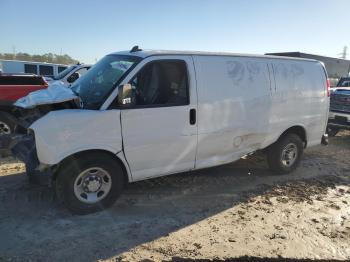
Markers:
<point>192,116</point>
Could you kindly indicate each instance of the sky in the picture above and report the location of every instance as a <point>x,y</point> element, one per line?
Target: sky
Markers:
<point>87,30</point>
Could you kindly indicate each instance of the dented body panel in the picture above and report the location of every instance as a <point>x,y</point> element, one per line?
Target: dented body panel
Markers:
<point>246,103</point>
<point>60,134</point>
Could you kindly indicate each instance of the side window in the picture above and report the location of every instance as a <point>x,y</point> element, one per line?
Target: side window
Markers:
<point>162,83</point>
<point>29,68</point>
<point>346,84</point>
<point>82,71</point>
<point>45,70</point>
<point>61,68</point>
<point>77,74</point>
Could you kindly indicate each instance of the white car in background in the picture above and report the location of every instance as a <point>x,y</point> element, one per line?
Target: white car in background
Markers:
<point>69,75</point>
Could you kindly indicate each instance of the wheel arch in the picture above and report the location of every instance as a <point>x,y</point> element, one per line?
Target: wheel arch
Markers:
<point>298,130</point>
<point>122,162</point>
<point>8,116</point>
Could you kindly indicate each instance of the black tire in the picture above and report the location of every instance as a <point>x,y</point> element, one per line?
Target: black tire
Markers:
<point>7,124</point>
<point>70,170</point>
<point>332,131</point>
<point>275,154</point>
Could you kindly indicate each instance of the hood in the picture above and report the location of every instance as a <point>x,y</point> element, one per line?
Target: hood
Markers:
<point>48,79</point>
<point>55,93</point>
<point>55,82</point>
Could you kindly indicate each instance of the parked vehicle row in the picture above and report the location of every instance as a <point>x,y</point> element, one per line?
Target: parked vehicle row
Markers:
<point>144,114</point>
<point>29,67</point>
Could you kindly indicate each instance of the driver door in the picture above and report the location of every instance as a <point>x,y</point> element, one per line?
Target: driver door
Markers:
<point>160,130</point>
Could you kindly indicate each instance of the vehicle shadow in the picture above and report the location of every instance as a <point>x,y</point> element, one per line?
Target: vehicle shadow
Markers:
<point>33,225</point>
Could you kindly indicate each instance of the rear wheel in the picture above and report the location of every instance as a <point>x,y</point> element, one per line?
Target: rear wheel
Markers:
<point>89,183</point>
<point>284,156</point>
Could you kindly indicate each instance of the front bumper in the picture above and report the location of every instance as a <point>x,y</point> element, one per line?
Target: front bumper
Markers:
<point>23,148</point>
<point>339,120</point>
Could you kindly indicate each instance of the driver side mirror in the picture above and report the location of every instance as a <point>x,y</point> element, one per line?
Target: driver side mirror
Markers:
<point>126,95</point>
<point>73,77</point>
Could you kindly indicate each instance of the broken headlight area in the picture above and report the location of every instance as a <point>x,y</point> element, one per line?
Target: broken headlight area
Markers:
<point>27,116</point>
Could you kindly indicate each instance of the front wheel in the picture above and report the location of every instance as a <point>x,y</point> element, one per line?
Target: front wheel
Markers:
<point>284,156</point>
<point>7,125</point>
<point>89,183</point>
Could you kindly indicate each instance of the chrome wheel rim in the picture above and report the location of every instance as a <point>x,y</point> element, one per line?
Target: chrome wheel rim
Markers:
<point>92,185</point>
<point>289,154</point>
<point>4,128</point>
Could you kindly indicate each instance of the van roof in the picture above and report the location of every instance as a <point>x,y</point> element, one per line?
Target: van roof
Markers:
<point>147,53</point>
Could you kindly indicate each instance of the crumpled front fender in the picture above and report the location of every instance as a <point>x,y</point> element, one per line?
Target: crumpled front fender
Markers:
<point>60,134</point>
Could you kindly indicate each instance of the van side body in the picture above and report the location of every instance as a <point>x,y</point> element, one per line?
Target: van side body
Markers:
<point>170,112</point>
<point>243,103</point>
<point>246,103</point>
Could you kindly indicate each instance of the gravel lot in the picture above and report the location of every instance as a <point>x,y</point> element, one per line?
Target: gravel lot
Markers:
<point>233,212</point>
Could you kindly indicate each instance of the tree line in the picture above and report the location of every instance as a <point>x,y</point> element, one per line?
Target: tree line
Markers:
<point>48,58</point>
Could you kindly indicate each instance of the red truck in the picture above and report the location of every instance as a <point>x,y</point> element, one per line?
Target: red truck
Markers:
<point>13,87</point>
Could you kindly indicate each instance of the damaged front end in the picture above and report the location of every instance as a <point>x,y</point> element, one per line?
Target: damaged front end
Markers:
<point>27,110</point>
<point>37,104</point>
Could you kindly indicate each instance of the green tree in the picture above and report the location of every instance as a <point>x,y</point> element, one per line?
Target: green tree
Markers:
<point>48,58</point>
<point>23,57</point>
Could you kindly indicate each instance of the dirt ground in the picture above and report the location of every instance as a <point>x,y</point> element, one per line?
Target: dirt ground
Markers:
<point>236,212</point>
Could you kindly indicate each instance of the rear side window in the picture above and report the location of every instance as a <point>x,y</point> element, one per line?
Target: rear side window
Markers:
<point>163,83</point>
<point>46,70</point>
<point>30,69</point>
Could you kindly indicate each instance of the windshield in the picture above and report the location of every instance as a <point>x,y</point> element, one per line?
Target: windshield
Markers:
<point>64,72</point>
<point>97,84</point>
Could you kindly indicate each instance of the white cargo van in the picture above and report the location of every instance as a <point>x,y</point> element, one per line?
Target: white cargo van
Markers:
<point>153,113</point>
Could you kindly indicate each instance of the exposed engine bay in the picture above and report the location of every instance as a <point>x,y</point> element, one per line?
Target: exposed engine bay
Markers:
<point>27,116</point>
<point>35,105</point>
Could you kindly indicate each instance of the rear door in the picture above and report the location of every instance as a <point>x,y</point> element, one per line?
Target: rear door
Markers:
<point>160,131</point>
